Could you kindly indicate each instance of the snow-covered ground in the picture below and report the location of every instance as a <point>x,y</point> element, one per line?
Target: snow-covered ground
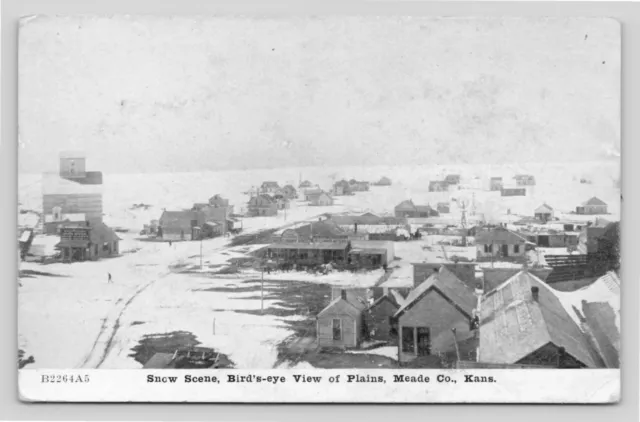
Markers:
<point>76,319</point>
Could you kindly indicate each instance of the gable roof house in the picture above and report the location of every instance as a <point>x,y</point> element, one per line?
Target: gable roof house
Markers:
<point>524,322</point>
<point>438,186</point>
<point>407,209</point>
<point>340,324</point>
<point>342,187</point>
<point>322,199</point>
<point>592,206</point>
<point>305,184</point>
<point>310,193</point>
<point>543,213</point>
<point>429,313</point>
<point>384,181</point>
<point>501,243</point>
<point>269,187</point>
<point>452,179</point>
<point>495,184</point>
<point>80,241</point>
<point>378,319</point>
<point>180,225</point>
<point>289,192</point>
<point>262,205</point>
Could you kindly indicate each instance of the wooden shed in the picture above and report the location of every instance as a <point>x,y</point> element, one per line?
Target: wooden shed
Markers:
<point>340,324</point>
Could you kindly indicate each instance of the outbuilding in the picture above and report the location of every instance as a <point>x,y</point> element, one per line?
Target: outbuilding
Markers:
<point>341,323</point>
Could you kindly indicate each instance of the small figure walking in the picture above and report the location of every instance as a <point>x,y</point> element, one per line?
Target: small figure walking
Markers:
<point>169,243</point>
<point>109,279</point>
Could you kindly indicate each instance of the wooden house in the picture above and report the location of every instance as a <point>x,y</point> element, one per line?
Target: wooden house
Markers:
<point>310,193</point>
<point>87,241</point>
<point>305,185</point>
<point>282,202</point>
<point>289,192</point>
<point>180,225</point>
<point>371,253</point>
<point>320,231</point>
<point>495,184</point>
<point>384,181</point>
<point>357,186</point>
<point>269,187</point>
<point>407,209</point>
<point>443,208</point>
<point>342,188</point>
<point>524,180</point>
<point>322,199</point>
<point>593,206</point>
<point>543,213</point>
<point>452,179</point>
<point>262,206</point>
<point>524,322</point>
<point>378,319</point>
<point>438,186</point>
<point>426,319</point>
<point>501,243</point>
<point>340,324</point>
<point>513,192</point>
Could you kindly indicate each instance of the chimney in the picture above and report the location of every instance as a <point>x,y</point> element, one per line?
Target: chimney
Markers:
<point>534,293</point>
<point>343,294</point>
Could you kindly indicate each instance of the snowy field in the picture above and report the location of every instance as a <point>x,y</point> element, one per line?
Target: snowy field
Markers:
<point>71,318</point>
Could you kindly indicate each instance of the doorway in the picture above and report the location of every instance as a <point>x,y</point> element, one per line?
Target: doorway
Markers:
<point>505,250</point>
<point>424,341</point>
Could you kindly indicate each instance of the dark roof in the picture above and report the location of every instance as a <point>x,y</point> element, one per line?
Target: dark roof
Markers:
<point>513,325</point>
<point>269,183</point>
<point>180,219</point>
<point>594,201</point>
<point>314,245</point>
<point>448,285</point>
<point>385,298</point>
<point>101,233</point>
<point>499,235</point>
<point>159,361</point>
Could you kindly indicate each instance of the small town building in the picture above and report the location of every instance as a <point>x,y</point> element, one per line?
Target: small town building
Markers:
<point>341,323</point>
<point>180,225</point>
<point>513,192</point>
<point>438,186</point>
<point>384,181</point>
<point>269,187</point>
<point>342,188</point>
<point>495,184</point>
<point>371,253</point>
<point>501,243</point>
<point>378,319</point>
<point>320,231</point>
<point>87,241</point>
<point>282,202</point>
<point>524,180</point>
<point>443,208</point>
<point>407,209</point>
<point>357,186</point>
<point>313,253</point>
<point>289,192</point>
<point>452,179</point>
<point>426,319</point>
<point>262,206</point>
<point>543,213</point>
<point>311,192</point>
<point>524,322</point>
<point>305,185</point>
<point>73,190</point>
<point>593,206</point>
<point>217,201</point>
<point>322,199</point>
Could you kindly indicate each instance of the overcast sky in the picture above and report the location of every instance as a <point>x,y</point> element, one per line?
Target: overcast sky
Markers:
<point>157,94</point>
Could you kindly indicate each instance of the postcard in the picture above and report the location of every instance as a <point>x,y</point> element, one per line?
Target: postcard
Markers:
<point>374,209</point>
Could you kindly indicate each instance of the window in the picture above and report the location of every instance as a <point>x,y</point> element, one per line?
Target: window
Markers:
<point>337,329</point>
<point>408,345</point>
<point>488,248</point>
<point>516,248</point>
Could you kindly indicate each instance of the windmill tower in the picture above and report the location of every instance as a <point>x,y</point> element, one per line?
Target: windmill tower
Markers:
<point>473,204</point>
<point>463,220</point>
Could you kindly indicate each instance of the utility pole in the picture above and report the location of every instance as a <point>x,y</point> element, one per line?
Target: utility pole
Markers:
<point>201,267</point>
